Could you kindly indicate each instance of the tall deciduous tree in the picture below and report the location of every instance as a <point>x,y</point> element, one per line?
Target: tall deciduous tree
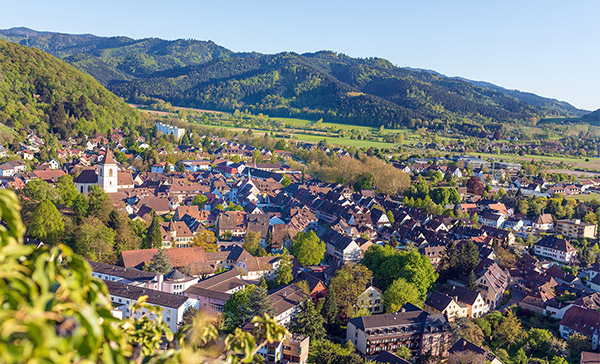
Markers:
<point>252,242</point>
<point>308,248</point>
<point>94,240</point>
<point>46,222</point>
<point>398,294</point>
<point>284,273</point>
<point>348,283</point>
<point>67,190</point>
<point>99,204</point>
<point>205,239</point>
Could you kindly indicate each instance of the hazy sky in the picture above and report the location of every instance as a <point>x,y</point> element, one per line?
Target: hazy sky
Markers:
<point>551,48</point>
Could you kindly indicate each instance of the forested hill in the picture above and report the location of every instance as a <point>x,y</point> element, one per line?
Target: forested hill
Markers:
<point>330,86</point>
<point>318,85</point>
<point>43,93</point>
<point>118,58</point>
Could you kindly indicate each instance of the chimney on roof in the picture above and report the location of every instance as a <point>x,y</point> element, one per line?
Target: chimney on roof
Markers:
<point>284,293</point>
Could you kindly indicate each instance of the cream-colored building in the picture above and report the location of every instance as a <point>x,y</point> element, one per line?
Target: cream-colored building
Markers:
<point>371,300</point>
<point>439,303</point>
<point>576,229</point>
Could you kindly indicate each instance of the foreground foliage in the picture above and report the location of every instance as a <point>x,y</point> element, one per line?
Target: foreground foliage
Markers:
<point>54,311</point>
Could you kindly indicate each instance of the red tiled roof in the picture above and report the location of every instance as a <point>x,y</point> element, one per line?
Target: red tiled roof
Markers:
<point>179,257</point>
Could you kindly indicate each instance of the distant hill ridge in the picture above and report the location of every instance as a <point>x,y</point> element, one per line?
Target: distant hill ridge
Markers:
<point>317,85</point>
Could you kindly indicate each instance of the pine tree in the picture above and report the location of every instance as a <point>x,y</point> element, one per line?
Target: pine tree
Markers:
<point>153,236</point>
<point>330,309</point>
<point>260,302</point>
<point>472,280</point>
<point>160,263</point>
<point>307,321</point>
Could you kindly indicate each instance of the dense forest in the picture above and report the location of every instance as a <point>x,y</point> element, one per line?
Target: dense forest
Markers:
<point>43,93</point>
<point>323,85</point>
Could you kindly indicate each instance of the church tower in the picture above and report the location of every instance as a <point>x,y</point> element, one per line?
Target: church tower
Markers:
<point>108,173</point>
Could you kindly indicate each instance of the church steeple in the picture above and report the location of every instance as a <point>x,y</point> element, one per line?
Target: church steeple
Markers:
<point>108,173</point>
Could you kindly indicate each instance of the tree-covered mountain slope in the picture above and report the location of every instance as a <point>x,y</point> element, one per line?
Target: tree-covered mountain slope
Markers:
<point>132,57</point>
<point>43,93</point>
<point>318,85</point>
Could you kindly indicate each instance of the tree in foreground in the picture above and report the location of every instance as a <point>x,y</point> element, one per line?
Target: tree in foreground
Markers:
<point>46,223</point>
<point>62,314</point>
<point>308,248</point>
<point>308,321</point>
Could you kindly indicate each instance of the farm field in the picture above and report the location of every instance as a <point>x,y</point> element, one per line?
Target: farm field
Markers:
<point>587,197</point>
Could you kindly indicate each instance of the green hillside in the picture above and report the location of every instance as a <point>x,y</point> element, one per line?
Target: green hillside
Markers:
<point>42,93</point>
<point>323,85</point>
<point>121,55</point>
<point>334,87</point>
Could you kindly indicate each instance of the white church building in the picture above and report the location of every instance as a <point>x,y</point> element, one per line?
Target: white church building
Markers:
<point>108,176</point>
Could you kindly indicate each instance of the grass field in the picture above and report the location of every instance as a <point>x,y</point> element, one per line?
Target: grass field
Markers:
<point>587,197</point>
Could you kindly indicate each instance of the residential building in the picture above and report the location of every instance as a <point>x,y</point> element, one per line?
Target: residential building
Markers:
<point>213,292</point>
<point>173,306</point>
<point>464,346</point>
<point>293,349</point>
<point>439,303</point>
<point>170,130</point>
<point>473,300</point>
<point>543,222</point>
<point>576,229</point>
<point>232,221</point>
<point>411,327</point>
<point>555,248</point>
<point>286,301</point>
<point>371,299</point>
<point>491,282</point>
<point>583,321</point>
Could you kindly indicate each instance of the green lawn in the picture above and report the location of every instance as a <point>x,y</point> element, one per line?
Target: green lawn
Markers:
<point>587,197</point>
<point>303,122</point>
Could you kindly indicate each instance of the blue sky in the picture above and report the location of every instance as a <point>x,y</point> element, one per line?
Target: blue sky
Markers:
<point>551,48</point>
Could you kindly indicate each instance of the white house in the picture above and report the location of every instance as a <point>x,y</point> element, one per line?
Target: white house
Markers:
<point>583,321</point>
<point>172,305</point>
<point>555,248</point>
<point>286,301</point>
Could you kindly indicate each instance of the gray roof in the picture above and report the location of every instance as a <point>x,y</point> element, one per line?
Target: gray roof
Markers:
<point>463,294</point>
<point>438,300</point>
<point>118,271</point>
<point>154,297</point>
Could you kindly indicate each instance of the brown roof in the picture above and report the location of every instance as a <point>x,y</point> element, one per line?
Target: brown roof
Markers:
<point>543,219</point>
<point>49,175</point>
<point>582,320</point>
<point>108,157</point>
<point>125,178</point>
<point>179,257</point>
<point>286,297</point>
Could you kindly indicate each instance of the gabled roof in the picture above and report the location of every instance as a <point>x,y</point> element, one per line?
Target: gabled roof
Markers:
<point>463,345</point>
<point>179,257</point>
<point>582,320</point>
<point>154,297</point>
<point>438,300</point>
<point>553,242</point>
<point>389,358</point>
<point>463,294</point>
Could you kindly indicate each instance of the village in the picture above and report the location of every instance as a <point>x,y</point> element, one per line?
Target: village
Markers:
<point>231,224</point>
